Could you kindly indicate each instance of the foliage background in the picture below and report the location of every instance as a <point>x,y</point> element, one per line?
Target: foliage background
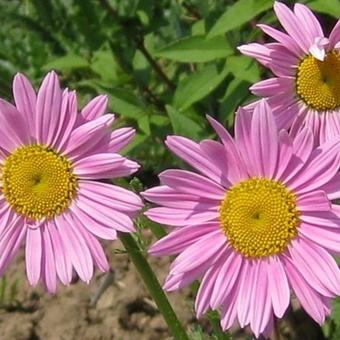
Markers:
<point>163,64</point>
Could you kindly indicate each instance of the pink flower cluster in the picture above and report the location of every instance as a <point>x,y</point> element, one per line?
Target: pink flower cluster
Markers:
<point>255,219</point>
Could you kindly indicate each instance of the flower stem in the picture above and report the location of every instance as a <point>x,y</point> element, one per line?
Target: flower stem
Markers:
<point>153,286</point>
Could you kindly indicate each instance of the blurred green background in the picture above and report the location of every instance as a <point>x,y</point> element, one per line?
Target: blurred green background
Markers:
<point>164,64</point>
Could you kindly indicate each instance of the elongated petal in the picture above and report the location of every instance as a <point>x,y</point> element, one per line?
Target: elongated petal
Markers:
<point>191,183</point>
<point>278,287</point>
<point>95,108</point>
<point>181,238</point>
<point>264,135</point>
<point>48,109</point>
<point>25,100</point>
<point>33,255</point>
<point>191,153</point>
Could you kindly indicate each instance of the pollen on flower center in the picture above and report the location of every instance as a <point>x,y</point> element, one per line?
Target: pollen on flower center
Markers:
<point>38,182</point>
<point>318,82</point>
<point>259,217</point>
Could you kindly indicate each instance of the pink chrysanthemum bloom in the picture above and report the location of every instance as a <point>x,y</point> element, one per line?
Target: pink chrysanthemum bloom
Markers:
<point>50,157</point>
<point>256,224</point>
<point>306,65</point>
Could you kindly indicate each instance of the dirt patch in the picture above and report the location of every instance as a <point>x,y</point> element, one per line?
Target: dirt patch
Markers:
<point>124,311</point>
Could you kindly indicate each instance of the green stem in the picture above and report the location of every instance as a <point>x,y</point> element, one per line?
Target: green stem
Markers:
<point>153,286</point>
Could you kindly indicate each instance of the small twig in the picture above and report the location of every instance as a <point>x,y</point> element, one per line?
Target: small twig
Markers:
<point>140,46</point>
<point>192,10</point>
<point>104,284</point>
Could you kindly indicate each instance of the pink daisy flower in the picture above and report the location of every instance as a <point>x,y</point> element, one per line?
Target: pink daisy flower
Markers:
<point>306,65</point>
<point>255,224</point>
<point>50,159</point>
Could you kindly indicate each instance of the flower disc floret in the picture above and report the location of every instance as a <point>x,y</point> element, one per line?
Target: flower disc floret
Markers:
<point>318,82</point>
<point>259,217</point>
<point>38,182</point>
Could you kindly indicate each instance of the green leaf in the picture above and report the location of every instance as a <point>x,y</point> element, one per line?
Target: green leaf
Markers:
<point>68,62</point>
<point>126,104</point>
<point>330,7</point>
<point>183,125</point>
<point>239,13</point>
<point>244,68</point>
<point>197,86</point>
<point>196,49</point>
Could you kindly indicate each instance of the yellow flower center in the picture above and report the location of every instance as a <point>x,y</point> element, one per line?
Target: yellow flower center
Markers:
<point>259,217</point>
<point>37,182</point>
<point>318,82</point>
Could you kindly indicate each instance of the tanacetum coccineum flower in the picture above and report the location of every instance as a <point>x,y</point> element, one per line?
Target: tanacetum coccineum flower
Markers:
<point>306,66</point>
<point>50,159</point>
<point>255,224</point>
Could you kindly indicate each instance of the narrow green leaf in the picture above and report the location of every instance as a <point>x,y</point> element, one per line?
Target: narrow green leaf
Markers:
<point>196,49</point>
<point>197,86</point>
<point>182,124</point>
<point>239,13</point>
<point>67,62</point>
<point>126,104</point>
<point>330,7</point>
<point>244,68</point>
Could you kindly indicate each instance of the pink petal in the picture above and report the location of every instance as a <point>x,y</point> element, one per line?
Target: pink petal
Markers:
<point>310,300</point>
<point>48,109</point>
<point>105,215</point>
<point>334,37</point>
<point>243,121</point>
<point>178,281</point>
<point>77,248</point>
<point>62,258</point>
<point>25,100</point>
<point>204,292</point>
<point>92,225</point>
<point>181,238</point>
<point>327,238</point>
<point>33,255</point>
<point>278,287</point>
<point>329,219</point>
<point>181,217</point>
<point>313,201</point>
<point>97,252</point>
<point>226,160</point>
<point>309,22</point>
<point>112,196</point>
<point>85,136</point>
<point>317,266</point>
<point>227,277</point>
<point>292,25</point>
<point>332,188</point>
<point>191,153</point>
<point>264,136</point>
<point>261,309</point>
<point>67,119</point>
<point>13,127</point>
<point>205,250</point>
<point>98,166</point>
<point>285,153</point>
<point>282,38</point>
<point>10,241</point>
<point>49,273</point>
<point>322,167</point>
<point>229,309</point>
<point>120,138</point>
<point>244,294</point>
<point>168,197</point>
<point>272,86</point>
<point>191,183</point>
<point>95,108</point>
